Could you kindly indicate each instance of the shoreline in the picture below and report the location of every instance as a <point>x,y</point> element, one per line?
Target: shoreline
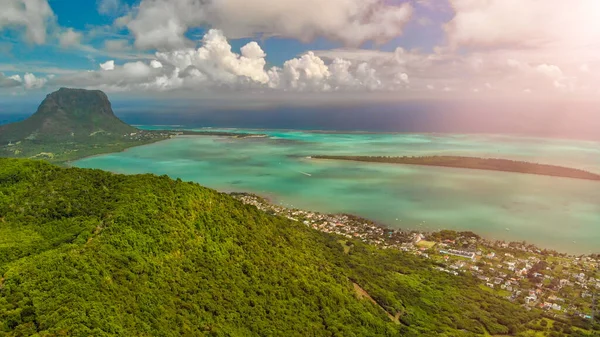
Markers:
<point>386,227</point>
<point>173,136</point>
<point>69,163</point>
<point>391,224</point>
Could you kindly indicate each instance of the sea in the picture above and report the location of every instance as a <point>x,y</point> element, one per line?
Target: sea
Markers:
<point>551,212</point>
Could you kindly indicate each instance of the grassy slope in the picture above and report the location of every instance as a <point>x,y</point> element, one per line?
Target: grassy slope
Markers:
<point>86,252</point>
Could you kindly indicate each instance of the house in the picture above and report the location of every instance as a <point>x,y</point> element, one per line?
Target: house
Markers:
<point>564,283</point>
<point>556,307</point>
<point>530,299</point>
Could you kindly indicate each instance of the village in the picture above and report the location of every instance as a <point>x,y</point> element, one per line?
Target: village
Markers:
<point>562,285</point>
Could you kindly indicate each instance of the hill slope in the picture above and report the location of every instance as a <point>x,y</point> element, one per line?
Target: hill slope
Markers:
<point>65,115</point>
<point>86,252</point>
<point>71,123</point>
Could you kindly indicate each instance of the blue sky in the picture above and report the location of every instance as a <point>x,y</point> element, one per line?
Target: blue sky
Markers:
<point>396,48</point>
<point>83,16</point>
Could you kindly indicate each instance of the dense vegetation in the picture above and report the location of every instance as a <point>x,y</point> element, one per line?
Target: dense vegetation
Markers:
<point>491,164</point>
<point>71,124</point>
<point>86,252</point>
<point>68,115</point>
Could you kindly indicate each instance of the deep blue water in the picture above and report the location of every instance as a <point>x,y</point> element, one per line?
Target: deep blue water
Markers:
<point>579,121</point>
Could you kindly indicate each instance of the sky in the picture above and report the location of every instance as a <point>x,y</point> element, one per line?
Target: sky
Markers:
<point>294,49</point>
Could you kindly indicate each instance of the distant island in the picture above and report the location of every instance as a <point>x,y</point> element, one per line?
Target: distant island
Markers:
<point>71,124</point>
<point>490,164</point>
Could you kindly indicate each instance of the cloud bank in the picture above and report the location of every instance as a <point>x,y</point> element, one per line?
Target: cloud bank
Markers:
<point>161,24</point>
<point>491,48</point>
<point>215,66</point>
<point>31,16</point>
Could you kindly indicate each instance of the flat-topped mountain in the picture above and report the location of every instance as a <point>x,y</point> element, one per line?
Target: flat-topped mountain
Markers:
<point>68,115</point>
<point>72,124</point>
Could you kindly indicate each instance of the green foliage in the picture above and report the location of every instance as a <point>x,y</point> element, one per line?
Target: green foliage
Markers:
<point>71,124</point>
<point>86,252</point>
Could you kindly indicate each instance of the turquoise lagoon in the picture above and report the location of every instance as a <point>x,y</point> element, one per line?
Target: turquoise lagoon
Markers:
<point>558,213</point>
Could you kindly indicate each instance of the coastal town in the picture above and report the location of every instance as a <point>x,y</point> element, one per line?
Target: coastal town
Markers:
<point>564,286</point>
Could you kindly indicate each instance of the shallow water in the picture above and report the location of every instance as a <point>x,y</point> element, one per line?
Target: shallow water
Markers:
<point>558,213</point>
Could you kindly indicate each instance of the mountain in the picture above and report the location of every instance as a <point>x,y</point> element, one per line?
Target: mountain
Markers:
<point>71,124</point>
<point>67,115</point>
<point>90,253</point>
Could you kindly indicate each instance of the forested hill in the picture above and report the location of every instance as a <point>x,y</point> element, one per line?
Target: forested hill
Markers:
<point>90,253</point>
<point>71,124</point>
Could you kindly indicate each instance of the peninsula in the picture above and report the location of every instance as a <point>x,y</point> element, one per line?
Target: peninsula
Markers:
<point>490,164</point>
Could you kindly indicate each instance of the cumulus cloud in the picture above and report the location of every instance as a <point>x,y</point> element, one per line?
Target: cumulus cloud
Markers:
<point>108,65</point>
<point>214,65</point>
<point>111,7</point>
<point>525,23</point>
<point>33,16</point>
<point>215,60</point>
<point>9,82</point>
<point>30,81</point>
<point>490,72</point>
<point>69,38</point>
<point>116,45</point>
<point>161,24</point>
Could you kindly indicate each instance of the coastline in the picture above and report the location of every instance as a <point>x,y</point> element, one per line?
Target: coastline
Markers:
<point>173,136</point>
<point>407,224</point>
<point>69,163</point>
<point>272,204</point>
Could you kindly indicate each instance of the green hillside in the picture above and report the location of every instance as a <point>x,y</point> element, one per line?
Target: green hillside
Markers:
<point>70,124</point>
<point>90,253</point>
<point>68,115</point>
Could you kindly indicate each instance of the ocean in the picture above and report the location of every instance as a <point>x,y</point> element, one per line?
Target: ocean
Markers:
<point>556,213</point>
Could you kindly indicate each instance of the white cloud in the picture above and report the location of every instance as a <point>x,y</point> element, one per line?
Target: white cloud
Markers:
<point>69,38</point>
<point>31,15</point>
<point>525,23</point>
<point>155,64</point>
<point>9,82</point>
<point>30,81</point>
<point>111,7</point>
<point>108,65</point>
<point>215,60</point>
<point>307,72</point>
<point>116,45</point>
<point>215,66</point>
<point>551,71</point>
<point>161,24</point>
